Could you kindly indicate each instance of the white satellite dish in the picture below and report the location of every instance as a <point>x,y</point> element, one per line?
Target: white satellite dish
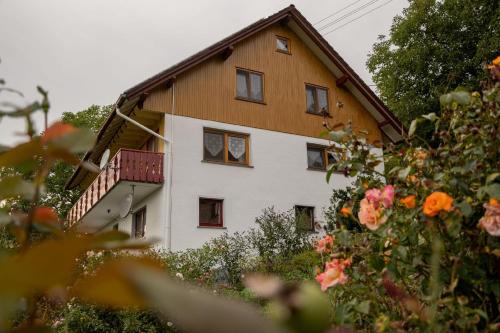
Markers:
<point>125,205</point>
<point>104,159</point>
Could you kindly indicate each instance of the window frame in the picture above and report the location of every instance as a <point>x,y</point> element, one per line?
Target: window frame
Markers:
<point>318,112</point>
<point>142,211</point>
<point>324,155</point>
<point>313,219</point>
<point>202,224</point>
<point>288,43</point>
<point>225,155</point>
<point>249,86</point>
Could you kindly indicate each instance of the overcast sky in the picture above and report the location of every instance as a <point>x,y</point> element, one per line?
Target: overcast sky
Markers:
<point>89,51</point>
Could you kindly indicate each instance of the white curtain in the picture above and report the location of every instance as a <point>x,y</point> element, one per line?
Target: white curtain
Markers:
<point>236,146</point>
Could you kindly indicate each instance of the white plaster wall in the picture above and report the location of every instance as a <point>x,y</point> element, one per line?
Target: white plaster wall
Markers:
<point>278,177</point>
<point>154,224</point>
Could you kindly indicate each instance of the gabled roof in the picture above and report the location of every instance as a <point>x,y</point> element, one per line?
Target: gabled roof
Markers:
<point>290,16</point>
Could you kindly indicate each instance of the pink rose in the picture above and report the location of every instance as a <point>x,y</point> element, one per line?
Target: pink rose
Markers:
<point>491,219</point>
<point>333,274</point>
<point>369,215</point>
<point>387,196</point>
<point>325,244</point>
<point>373,195</point>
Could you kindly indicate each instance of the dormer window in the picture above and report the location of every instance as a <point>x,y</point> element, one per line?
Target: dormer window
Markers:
<point>282,44</point>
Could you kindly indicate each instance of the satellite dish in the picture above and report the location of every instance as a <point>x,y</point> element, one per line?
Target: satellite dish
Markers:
<point>125,205</point>
<point>104,159</point>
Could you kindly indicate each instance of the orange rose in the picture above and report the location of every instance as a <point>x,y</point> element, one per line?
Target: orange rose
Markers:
<point>408,201</point>
<point>496,61</point>
<point>437,202</point>
<point>346,211</point>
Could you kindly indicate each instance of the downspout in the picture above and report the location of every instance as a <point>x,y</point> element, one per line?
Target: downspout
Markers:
<point>168,143</point>
<point>170,172</point>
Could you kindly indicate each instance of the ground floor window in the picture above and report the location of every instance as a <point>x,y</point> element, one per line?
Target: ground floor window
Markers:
<point>304,216</point>
<point>211,212</point>
<point>139,223</point>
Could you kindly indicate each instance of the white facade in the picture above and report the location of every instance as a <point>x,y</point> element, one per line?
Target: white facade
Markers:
<point>278,176</point>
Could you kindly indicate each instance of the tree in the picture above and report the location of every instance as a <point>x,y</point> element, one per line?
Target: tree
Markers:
<point>56,195</point>
<point>434,46</point>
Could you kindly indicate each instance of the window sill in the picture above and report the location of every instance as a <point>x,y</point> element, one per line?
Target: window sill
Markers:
<point>284,52</point>
<point>319,114</point>
<point>250,100</point>
<point>324,170</point>
<point>229,164</point>
<point>210,227</point>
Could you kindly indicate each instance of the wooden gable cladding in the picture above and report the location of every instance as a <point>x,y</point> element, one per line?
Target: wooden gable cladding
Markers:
<point>208,90</point>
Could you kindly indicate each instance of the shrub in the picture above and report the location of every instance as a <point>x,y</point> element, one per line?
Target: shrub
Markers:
<point>278,235</point>
<point>428,256</point>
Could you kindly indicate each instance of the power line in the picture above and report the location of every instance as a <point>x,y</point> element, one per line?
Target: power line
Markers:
<point>337,12</point>
<point>357,18</point>
<point>352,12</point>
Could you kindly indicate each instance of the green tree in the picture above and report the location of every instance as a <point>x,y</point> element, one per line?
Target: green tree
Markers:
<point>56,195</point>
<point>434,46</point>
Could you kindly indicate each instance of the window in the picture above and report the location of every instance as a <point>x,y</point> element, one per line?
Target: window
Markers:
<point>225,147</point>
<point>249,85</point>
<point>211,213</point>
<point>304,216</point>
<point>139,223</point>
<point>150,145</point>
<point>317,100</point>
<point>282,44</point>
<point>318,157</point>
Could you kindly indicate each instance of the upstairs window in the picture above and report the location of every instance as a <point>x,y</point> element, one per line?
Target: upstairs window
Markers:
<point>139,223</point>
<point>249,85</point>
<point>317,100</point>
<point>225,147</point>
<point>282,44</point>
<point>318,157</point>
<point>211,213</point>
<point>304,216</point>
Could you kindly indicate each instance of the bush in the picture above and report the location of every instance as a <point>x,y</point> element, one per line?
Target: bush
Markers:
<point>428,254</point>
<point>279,235</point>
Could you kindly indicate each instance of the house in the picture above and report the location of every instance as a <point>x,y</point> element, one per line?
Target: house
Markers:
<point>226,133</point>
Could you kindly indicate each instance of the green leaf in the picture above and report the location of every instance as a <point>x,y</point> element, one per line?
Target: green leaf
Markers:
<point>75,142</point>
<point>20,154</point>
<point>492,177</point>
<point>403,174</point>
<point>337,136</point>
<point>461,97</point>
<point>363,307</point>
<point>431,117</point>
<point>193,310</point>
<point>445,99</point>
<point>15,186</point>
<point>465,208</point>
<point>413,127</point>
<point>492,190</point>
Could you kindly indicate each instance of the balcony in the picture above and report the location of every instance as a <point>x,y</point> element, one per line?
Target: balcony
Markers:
<point>100,202</point>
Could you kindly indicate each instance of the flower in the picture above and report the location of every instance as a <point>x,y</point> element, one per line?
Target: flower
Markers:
<point>491,219</point>
<point>369,215</point>
<point>346,211</point>
<point>325,244</point>
<point>496,61</point>
<point>388,196</point>
<point>437,202</point>
<point>408,201</point>
<point>334,273</point>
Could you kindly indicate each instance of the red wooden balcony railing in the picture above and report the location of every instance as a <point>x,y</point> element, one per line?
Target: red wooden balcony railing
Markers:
<point>126,165</point>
